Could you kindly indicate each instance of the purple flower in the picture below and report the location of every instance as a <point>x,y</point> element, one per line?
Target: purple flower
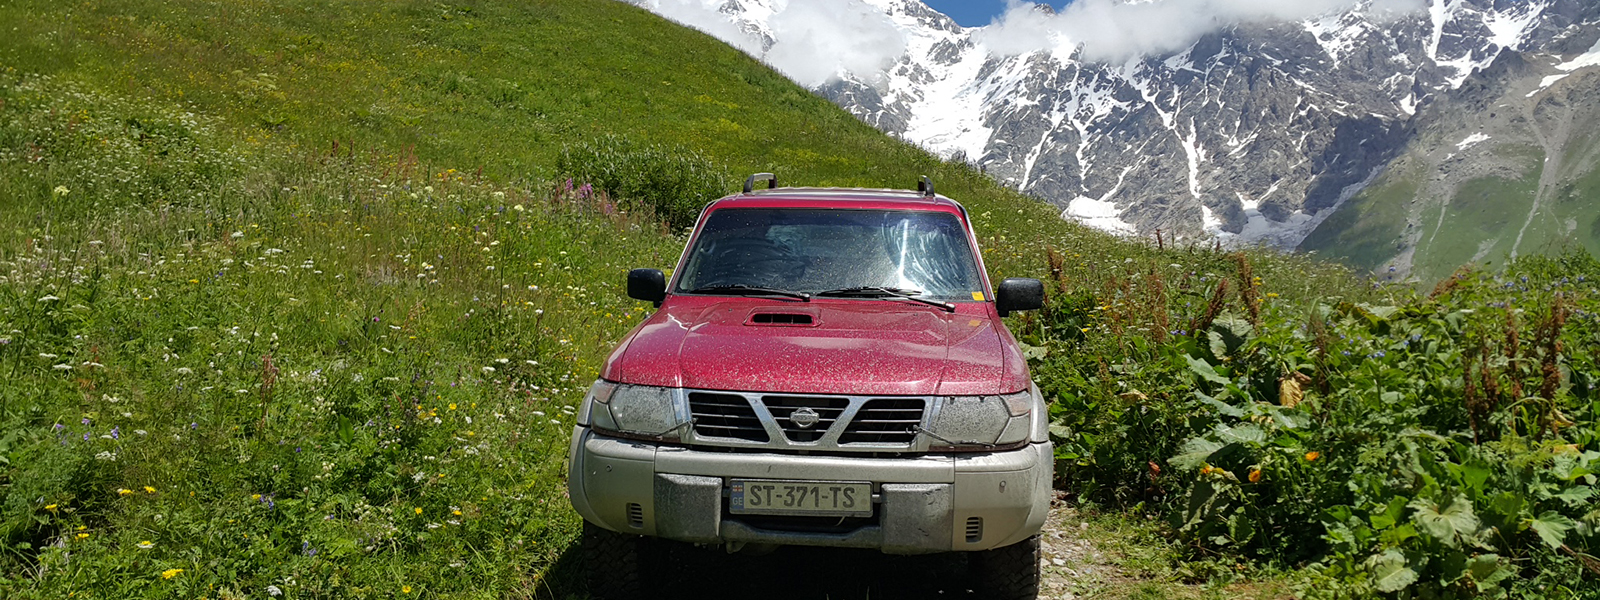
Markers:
<point>86,420</point>
<point>115,433</point>
<point>59,427</point>
<point>193,425</point>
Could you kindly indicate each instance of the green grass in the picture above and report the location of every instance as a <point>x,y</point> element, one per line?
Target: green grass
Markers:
<point>1482,210</point>
<point>1363,233</point>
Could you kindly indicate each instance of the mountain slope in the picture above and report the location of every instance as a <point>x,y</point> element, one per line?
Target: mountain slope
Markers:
<point>1507,164</point>
<point>1256,132</point>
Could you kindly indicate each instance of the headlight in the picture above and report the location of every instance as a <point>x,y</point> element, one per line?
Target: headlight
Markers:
<point>635,409</point>
<point>976,423</point>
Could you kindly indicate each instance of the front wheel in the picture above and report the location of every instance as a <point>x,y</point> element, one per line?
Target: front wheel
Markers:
<point>619,566</point>
<point>1009,573</point>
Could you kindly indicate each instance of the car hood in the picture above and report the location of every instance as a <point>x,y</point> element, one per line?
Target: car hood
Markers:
<point>867,347</point>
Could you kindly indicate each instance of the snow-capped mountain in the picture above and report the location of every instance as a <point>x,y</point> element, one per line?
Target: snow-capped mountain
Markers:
<point>1254,128</point>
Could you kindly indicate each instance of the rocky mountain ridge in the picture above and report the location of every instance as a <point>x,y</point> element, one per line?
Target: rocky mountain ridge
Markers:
<point>1257,132</point>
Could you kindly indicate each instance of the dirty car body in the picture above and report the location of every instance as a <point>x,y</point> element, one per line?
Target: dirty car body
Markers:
<point>828,367</point>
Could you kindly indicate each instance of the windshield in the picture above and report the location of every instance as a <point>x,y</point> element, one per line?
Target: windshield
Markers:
<point>814,250</point>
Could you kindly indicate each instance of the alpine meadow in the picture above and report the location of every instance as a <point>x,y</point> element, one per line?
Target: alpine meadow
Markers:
<point>298,299</point>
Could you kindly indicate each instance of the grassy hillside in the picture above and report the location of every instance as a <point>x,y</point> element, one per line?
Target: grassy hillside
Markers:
<point>298,297</point>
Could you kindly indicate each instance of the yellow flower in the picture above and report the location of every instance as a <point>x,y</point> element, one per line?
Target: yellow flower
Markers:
<point>405,589</point>
<point>170,573</point>
<point>1255,475</point>
<point>256,497</point>
<point>1313,456</point>
<point>452,406</point>
<point>50,507</point>
<point>123,491</point>
<point>83,536</point>
<point>419,511</point>
<point>146,545</point>
<point>149,490</point>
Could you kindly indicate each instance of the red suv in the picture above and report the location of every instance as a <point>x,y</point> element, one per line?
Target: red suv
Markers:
<point>827,367</point>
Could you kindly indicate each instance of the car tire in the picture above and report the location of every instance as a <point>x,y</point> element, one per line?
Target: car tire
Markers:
<point>618,566</point>
<point>1008,573</point>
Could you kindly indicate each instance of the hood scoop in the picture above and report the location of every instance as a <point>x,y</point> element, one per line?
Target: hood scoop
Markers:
<point>775,319</point>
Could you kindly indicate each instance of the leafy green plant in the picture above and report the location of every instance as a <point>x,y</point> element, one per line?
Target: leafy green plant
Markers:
<point>672,182</point>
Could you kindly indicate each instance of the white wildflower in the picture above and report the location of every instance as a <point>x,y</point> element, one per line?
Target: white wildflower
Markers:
<point>237,235</point>
<point>62,367</point>
<point>273,591</point>
<point>488,369</point>
<point>61,191</point>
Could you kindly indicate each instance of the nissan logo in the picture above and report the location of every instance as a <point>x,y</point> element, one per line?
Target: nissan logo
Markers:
<point>804,418</point>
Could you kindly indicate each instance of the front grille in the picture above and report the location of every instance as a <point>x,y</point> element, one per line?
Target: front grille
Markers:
<point>885,421</point>
<point>725,416</point>
<point>783,408</point>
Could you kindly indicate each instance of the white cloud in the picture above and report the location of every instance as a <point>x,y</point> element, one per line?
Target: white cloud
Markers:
<point>703,15</point>
<point>1116,30</point>
<point>815,41</point>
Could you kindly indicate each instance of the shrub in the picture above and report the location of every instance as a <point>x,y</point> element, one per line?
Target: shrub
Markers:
<point>1444,445</point>
<point>673,182</point>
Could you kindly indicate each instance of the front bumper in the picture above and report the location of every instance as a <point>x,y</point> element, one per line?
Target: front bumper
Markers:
<point>922,504</point>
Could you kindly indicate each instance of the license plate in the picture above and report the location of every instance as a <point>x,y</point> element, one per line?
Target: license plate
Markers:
<point>822,498</point>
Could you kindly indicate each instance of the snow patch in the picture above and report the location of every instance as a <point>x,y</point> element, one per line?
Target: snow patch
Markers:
<point>1472,140</point>
<point>1099,214</point>
<point>1587,59</point>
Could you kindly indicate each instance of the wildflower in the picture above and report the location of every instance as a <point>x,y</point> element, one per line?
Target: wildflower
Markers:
<point>50,507</point>
<point>61,191</point>
<point>62,367</point>
<point>149,490</point>
<point>237,235</point>
<point>170,573</point>
<point>146,545</point>
<point>273,591</point>
<point>405,589</point>
<point>1255,475</point>
<point>83,536</point>
<point>1313,456</point>
<point>123,491</point>
<point>452,406</point>
<point>518,208</point>
<point>418,510</point>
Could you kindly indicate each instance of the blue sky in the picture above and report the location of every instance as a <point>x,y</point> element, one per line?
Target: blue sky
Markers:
<point>972,13</point>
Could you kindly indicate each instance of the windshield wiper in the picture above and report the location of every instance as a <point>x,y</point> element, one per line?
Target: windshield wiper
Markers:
<point>875,291</point>
<point>749,290</point>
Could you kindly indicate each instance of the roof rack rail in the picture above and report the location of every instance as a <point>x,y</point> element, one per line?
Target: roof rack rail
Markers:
<point>750,183</point>
<point>925,186</point>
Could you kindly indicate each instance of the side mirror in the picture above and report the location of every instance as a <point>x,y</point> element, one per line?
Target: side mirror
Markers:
<point>1019,294</point>
<point>649,285</point>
